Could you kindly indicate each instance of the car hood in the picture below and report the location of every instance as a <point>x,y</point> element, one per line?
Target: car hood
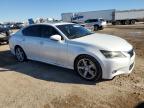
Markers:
<point>104,42</point>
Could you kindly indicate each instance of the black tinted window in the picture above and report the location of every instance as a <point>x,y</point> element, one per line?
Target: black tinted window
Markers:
<point>32,31</point>
<point>87,21</point>
<point>47,31</point>
<point>94,20</point>
<point>91,21</point>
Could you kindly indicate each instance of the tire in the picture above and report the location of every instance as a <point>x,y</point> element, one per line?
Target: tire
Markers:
<point>132,22</point>
<point>96,27</point>
<point>113,23</point>
<point>118,22</point>
<point>88,68</point>
<point>127,22</point>
<point>20,54</point>
<point>101,28</point>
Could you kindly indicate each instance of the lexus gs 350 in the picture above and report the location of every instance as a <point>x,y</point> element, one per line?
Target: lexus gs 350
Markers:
<point>93,56</point>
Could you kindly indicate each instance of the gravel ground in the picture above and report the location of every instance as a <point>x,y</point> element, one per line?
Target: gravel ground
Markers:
<point>38,85</point>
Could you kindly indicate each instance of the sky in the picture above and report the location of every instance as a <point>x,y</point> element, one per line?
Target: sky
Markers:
<point>21,10</point>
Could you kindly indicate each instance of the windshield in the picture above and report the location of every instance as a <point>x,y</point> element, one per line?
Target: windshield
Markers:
<point>102,20</point>
<point>73,31</point>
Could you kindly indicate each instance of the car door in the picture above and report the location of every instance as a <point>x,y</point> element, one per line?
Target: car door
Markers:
<point>30,42</point>
<point>54,52</point>
<point>89,24</point>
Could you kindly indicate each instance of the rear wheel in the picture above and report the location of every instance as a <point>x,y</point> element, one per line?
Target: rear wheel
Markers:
<point>127,22</point>
<point>88,68</point>
<point>132,22</point>
<point>20,54</point>
<point>118,22</point>
<point>113,23</point>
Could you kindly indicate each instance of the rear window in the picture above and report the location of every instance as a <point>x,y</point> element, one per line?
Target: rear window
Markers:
<point>102,20</point>
<point>44,31</point>
<point>47,31</point>
<point>91,20</point>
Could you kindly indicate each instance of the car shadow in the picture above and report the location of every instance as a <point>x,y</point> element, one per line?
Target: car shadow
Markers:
<point>42,71</point>
<point>6,58</point>
<point>140,105</point>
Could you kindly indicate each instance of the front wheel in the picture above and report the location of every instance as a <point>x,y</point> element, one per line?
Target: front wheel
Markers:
<point>96,28</point>
<point>20,54</point>
<point>88,68</point>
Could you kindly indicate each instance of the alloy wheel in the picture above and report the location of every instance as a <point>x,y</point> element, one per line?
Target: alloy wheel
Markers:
<point>20,54</point>
<point>87,69</point>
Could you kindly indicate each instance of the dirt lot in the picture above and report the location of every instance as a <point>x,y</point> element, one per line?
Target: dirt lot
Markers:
<point>38,85</point>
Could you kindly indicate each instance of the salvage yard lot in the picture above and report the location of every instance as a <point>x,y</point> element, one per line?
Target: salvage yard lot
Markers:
<point>38,85</point>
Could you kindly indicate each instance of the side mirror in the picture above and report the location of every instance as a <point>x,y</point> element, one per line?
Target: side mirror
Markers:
<point>56,38</point>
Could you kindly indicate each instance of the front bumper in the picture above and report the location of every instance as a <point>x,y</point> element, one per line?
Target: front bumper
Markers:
<point>118,66</point>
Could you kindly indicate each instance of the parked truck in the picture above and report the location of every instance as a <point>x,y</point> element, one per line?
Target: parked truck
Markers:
<point>128,17</point>
<point>83,16</point>
<point>114,16</point>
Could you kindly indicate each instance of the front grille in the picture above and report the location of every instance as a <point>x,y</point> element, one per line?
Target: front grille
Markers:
<point>131,53</point>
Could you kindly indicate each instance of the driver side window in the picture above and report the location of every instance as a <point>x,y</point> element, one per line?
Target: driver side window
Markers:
<point>48,31</point>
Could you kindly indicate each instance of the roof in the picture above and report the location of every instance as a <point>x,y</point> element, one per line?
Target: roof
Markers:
<point>132,10</point>
<point>54,23</point>
<point>62,23</point>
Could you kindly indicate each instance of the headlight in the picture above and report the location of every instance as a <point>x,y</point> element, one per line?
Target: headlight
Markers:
<point>112,54</point>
